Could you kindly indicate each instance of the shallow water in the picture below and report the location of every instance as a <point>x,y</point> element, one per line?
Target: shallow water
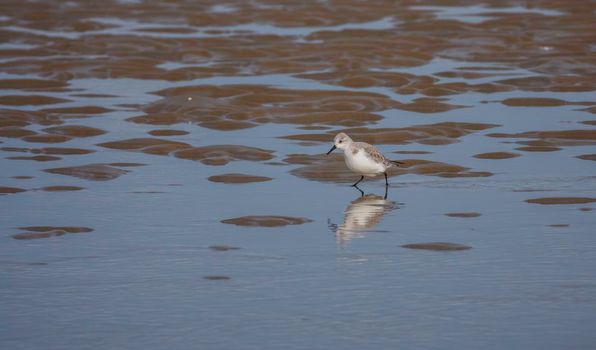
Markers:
<point>164,179</point>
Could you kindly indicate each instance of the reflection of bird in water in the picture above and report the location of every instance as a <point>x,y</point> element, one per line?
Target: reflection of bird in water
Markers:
<point>362,216</point>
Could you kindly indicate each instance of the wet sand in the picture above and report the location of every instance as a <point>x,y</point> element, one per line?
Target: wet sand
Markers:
<point>178,132</point>
<point>497,155</point>
<point>561,200</point>
<point>208,155</point>
<point>10,190</point>
<point>238,178</point>
<point>437,246</point>
<point>222,248</point>
<point>37,232</point>
<point>94,172</point>
<point>266,221</point>
<point>463,215</point>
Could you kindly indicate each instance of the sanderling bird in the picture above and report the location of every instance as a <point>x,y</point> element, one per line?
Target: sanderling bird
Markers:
<point>362,158</point>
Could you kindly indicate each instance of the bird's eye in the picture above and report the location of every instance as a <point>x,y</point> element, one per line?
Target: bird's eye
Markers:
<point>340,141</point>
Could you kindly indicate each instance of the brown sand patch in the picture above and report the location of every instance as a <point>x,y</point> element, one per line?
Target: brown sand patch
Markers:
<point>549,141</point>
<point>589,122</point>
<point>532,83</point>
<point>533,102</point>
<point>210,155</point>
<point>125,165</point>
<point>146,192</point>
<point>440,133</point>
<point>307,158</point>
<point>46,138</point>
<point>36,158</point>
<point>167,132</point>
<point>464,74</point>
<point>314,127</point>
<point>217,278</point>
<point>559,83</point>
<point>463,215</point>
<point>223,154</point>
<point>22,177</point>
<point>446,89</point>
<point>234,107</point>
<point>61,188</point>
<point>437,246</point>
<point>75,131</point>
<point>63,151</point>
<point>538,149</point>
<point>48,231</point>
<point>332,168</point>
<point>266,221</point>
<point>496,155</point>
<point>559,225</point>
<point>93,172</point>
<point>77,111</point>
<point>365,79</point>
<point>574,135</point>
<point>428,105</point>
<point>30,84</point>
<point>10,190</point>
<point>16,149</point>
<point>48,150</point>
<point>15,132</point>
<point>404,83</point>
<point>589,110</point>
<point>19,100</point>
<point>147,145</point>
<point>425,167</point>
<point>21,118</point>
<point>91,95</point>
<point>223,248</point>
<point>585,209</point>
<point>238,178</point>
<point>412,152</point>
<point>166,30</point>
<point>588,157</point>
<point>7,120</point>
<point>561,200</point>
<point>351,55</point>
<point>531,190</point>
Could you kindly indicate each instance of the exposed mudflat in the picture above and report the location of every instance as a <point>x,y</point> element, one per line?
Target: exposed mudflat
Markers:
<point>464,215</point>
<point>37,232</point>
<point>164,178</point>
<point>561,200</point>
<point>437,246</point>
<point>266,221</point>
<point>497,155</point>
<point>238,178</point>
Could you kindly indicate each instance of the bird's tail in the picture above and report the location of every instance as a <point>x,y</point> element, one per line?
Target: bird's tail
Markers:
<point>396,162</point>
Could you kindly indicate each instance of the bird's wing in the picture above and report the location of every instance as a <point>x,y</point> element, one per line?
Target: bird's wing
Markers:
<point>372,152</point>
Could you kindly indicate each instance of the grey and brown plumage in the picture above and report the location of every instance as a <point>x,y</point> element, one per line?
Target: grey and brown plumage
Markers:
<point>362,158</point>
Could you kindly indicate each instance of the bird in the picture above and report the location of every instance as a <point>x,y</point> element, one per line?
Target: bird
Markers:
<point>362,158</point>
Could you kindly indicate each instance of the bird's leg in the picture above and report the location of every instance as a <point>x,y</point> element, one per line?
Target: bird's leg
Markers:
<point>386,182</point>
<point>386,188</point>
<point>357,182</point>
<point>361,191</point>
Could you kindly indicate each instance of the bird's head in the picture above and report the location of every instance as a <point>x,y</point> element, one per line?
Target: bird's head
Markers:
<point>341,141</point>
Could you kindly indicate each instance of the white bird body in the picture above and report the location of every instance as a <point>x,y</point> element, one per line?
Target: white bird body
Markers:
<point>360,161</point>
<point>362,158</point>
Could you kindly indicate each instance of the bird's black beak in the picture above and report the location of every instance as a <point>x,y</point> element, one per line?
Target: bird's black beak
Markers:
<point>332,149</point>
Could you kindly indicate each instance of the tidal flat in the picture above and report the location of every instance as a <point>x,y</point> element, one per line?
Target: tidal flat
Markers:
<point>164,182</point>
